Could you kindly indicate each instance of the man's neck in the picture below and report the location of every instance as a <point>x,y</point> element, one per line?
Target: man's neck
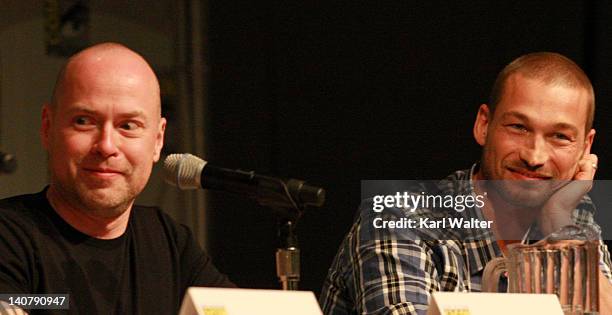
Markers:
<point>88,222</point>
<point>510,222</point>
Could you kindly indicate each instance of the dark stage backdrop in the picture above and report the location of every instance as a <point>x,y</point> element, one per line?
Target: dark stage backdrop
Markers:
<point>338,92</point>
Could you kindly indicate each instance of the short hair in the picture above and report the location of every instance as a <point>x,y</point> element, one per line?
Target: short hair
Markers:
<point>549,68</point>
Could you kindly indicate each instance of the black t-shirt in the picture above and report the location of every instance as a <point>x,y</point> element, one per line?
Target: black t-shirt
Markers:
<point>145,271</point>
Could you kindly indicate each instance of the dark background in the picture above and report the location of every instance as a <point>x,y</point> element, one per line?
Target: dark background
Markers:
<point>336,92</point>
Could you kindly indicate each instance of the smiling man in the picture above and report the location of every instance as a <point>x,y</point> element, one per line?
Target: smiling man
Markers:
<point>83,235</point>
<point>536,136</point>
<point>535,171</point>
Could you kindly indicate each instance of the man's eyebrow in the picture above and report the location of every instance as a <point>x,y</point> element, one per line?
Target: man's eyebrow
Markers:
<point>82,109</point>
<point>566,126</point>
<point>515,114</point>
<point>134,113</point>
<point>130,114</point>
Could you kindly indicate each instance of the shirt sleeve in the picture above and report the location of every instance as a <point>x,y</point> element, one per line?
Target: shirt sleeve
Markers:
<point>380,273</point>
<point>16,252</point>
<point>199,268</point>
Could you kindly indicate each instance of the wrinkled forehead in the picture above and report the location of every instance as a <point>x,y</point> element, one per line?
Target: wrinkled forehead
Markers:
<point>551,102</point>
<point>584,106</point>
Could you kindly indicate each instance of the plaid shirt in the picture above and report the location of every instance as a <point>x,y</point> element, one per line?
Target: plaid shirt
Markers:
<point>387,274</point>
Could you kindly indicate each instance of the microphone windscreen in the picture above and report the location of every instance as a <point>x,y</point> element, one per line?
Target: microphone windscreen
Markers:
<point>183,170</point>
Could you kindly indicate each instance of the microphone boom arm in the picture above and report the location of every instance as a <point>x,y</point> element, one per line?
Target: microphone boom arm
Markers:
<point>287,197</point>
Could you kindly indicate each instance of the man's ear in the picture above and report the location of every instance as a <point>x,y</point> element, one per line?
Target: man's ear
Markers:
<point>588,142</point>
<point>159,139</point>
<point>481,125</point>
<point>45,125</point>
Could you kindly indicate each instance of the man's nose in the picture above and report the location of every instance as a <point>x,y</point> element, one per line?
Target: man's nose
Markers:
<point>106,144</point>
<point>534,153</point>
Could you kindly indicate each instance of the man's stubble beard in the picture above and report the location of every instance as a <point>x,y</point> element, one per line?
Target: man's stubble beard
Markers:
<point>519,193</point>
<point>90,201</point>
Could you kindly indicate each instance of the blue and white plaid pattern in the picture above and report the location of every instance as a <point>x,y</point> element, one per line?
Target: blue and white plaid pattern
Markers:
<point>396,275</point>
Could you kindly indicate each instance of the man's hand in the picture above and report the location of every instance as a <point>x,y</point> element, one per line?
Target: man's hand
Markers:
<point>557,211</point>
<point>6,309</point>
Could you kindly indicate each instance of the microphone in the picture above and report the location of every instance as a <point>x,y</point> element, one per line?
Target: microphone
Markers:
<point>8,163</point>
<point>187,171</point>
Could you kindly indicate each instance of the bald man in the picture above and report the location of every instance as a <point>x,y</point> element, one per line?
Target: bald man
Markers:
<point>83,235</point>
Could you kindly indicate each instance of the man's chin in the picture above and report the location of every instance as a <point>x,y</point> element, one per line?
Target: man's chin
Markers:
<point>105,202</point>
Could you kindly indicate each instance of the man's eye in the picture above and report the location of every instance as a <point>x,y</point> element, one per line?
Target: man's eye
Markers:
<point>82,121</point>
<point>129,125</point>
<point>560,136</point>
<point>518,127</point>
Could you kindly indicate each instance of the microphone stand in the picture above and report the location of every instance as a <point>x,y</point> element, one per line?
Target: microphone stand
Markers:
<point>278,196</point>
<point>287,200</point>
<point>288,256</point>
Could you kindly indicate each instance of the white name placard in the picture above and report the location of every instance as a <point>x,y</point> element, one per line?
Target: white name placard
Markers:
<point>221,301</point>
<point>454,303</point>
